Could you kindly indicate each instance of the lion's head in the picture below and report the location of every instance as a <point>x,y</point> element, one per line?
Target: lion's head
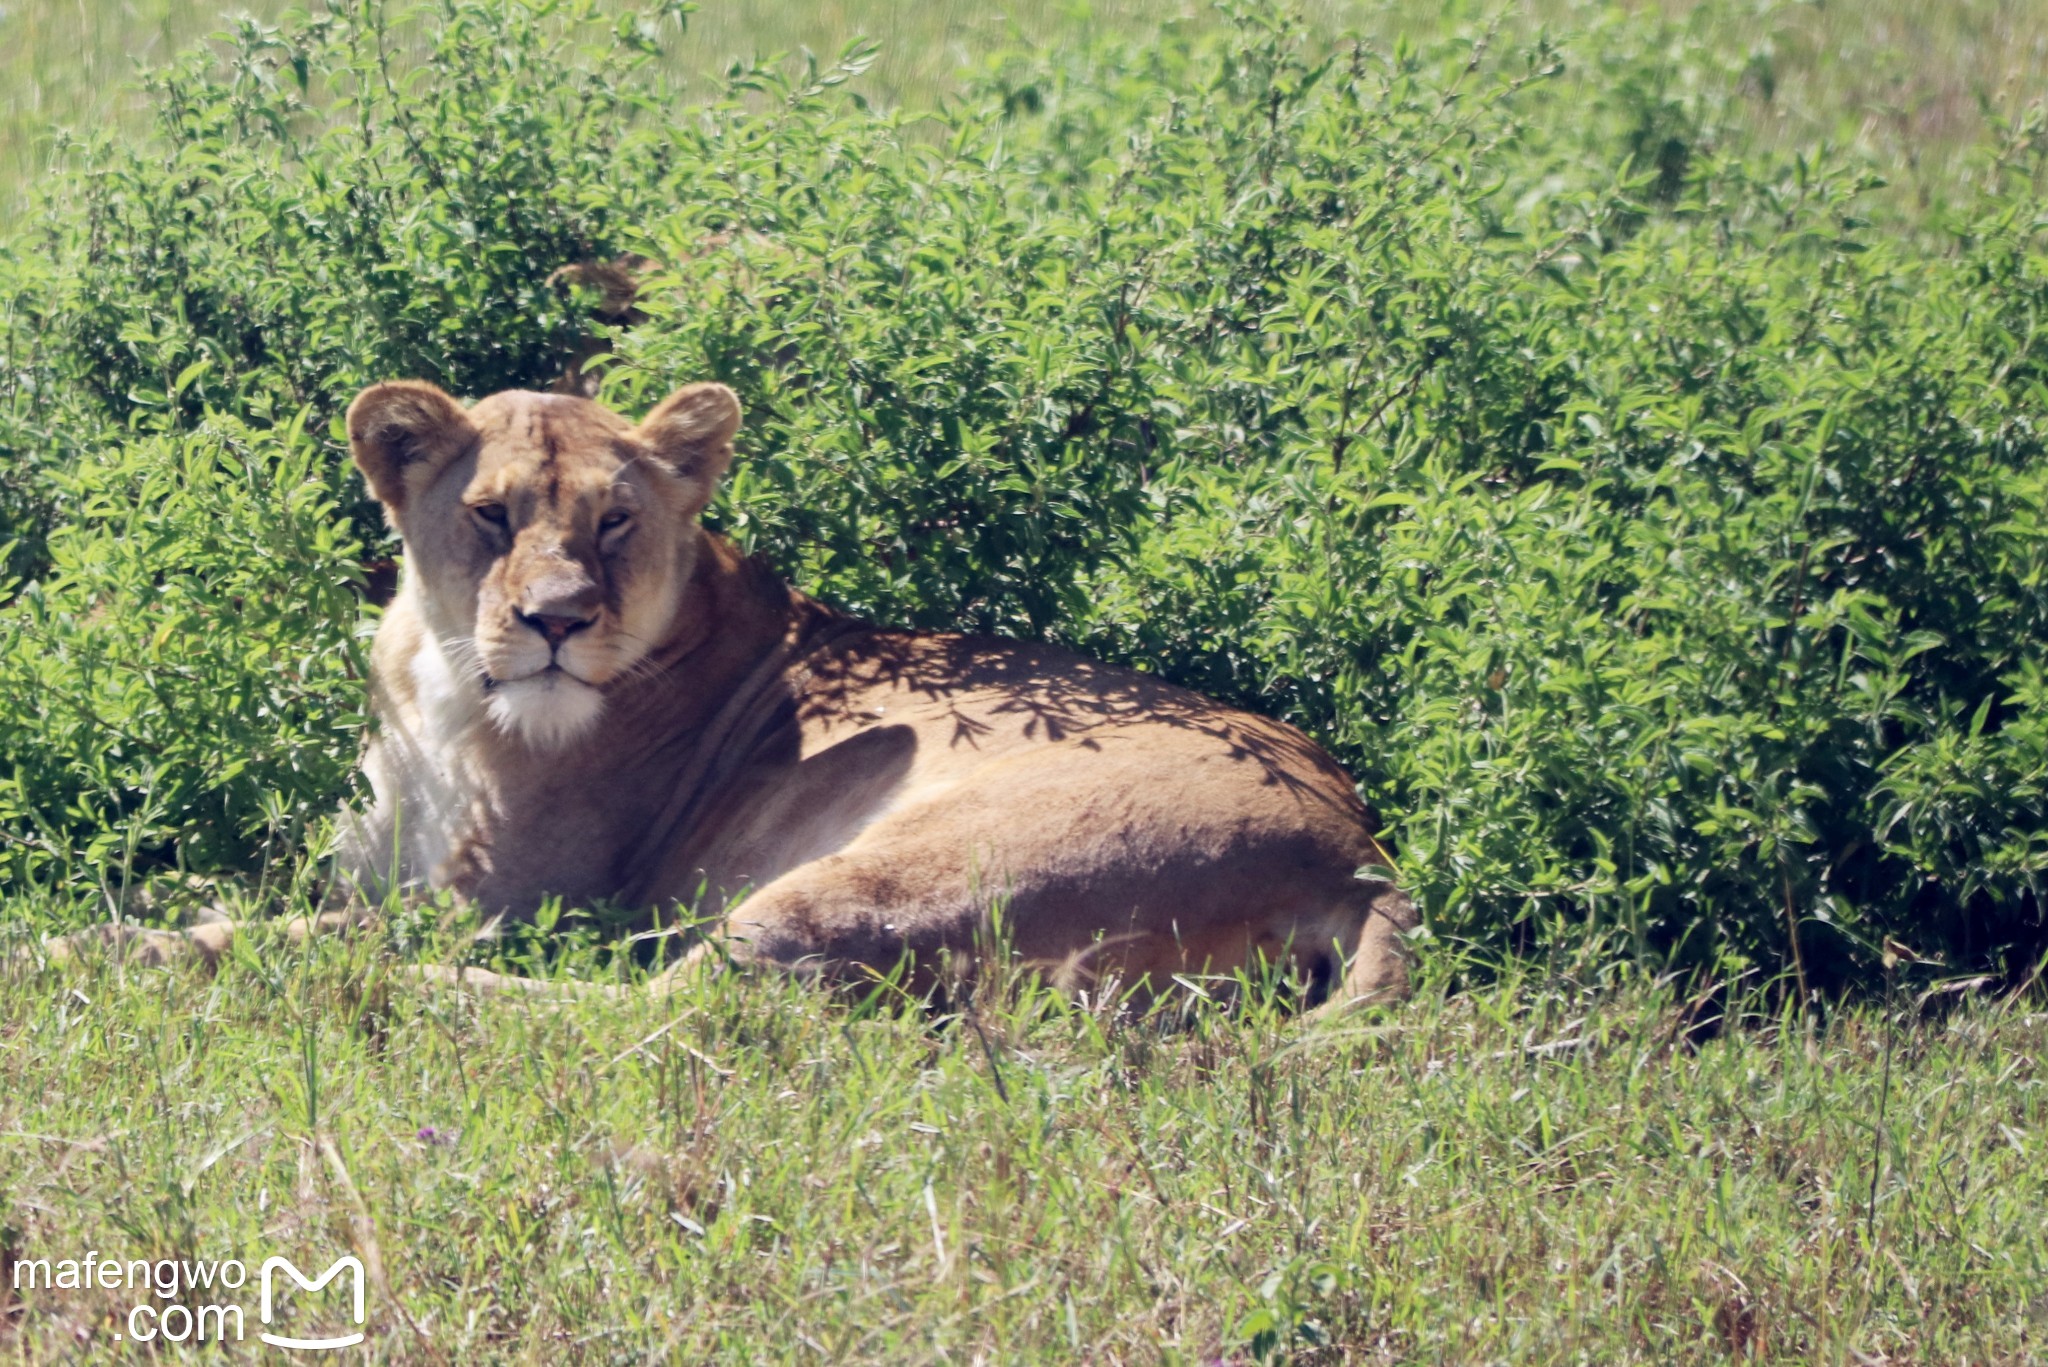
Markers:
<point>548,540</point>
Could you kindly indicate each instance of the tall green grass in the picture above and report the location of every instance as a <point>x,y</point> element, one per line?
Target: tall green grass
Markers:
<point>1544,1170</point>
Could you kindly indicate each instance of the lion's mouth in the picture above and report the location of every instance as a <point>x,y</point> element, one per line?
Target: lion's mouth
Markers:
<point>548,708</point>
<point>549,674</point>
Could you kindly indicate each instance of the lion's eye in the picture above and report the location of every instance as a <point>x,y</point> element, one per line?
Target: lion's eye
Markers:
<point>493,513</point>
<point>613,520</point>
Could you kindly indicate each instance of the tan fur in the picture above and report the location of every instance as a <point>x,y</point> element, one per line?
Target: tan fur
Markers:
<point>845,796</point>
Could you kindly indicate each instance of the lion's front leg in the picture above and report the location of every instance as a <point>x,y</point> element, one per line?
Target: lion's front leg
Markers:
<point>206,943</point>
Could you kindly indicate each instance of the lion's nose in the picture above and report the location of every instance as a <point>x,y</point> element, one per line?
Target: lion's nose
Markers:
<point>555,627</point>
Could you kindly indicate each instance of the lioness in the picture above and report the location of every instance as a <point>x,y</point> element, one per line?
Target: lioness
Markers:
<point>582,693</point>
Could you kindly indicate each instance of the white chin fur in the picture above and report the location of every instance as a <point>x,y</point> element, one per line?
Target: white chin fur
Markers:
<point>547,711</point>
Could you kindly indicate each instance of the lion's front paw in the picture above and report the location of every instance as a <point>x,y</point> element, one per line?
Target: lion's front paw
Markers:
<point>139,946</point>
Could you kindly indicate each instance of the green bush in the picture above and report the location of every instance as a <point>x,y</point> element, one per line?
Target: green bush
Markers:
<point>184,683</point>
<point>333,203</point>
<point>1659,543</point>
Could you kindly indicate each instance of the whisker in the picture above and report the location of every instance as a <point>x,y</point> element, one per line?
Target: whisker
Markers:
<point>642,668</point>
<point>463,650</point>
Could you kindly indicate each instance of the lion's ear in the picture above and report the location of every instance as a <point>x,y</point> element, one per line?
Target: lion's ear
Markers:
<point>403,431</point>
<point>691,432</point>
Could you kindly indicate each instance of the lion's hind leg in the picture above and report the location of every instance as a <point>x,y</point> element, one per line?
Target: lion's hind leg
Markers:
<point>1373,938</point>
